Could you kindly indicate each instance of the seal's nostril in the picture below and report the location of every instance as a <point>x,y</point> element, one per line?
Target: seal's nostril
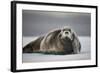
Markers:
<point>66,33</point>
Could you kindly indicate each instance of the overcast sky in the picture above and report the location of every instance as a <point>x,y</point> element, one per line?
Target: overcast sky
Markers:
<point>36,23</point>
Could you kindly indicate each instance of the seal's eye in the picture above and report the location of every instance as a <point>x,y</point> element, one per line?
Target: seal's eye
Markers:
<point>60,35</point>
<point>66,32</point>
<point>69,30</point>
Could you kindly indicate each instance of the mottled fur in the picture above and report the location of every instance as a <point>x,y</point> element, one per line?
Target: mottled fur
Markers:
<point>60,41</point>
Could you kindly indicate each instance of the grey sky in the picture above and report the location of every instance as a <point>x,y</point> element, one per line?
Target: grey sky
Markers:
<point>36,23</point>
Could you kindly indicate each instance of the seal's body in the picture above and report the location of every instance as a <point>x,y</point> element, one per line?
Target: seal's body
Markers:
<point>60,41</point>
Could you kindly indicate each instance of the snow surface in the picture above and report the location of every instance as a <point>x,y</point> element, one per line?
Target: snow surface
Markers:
<point>38,57</point>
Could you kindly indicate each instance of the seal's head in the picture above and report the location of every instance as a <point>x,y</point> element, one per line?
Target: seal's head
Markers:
<point>66,33</point>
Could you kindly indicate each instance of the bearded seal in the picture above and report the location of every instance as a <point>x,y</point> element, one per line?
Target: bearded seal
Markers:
<point>59,41</point>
